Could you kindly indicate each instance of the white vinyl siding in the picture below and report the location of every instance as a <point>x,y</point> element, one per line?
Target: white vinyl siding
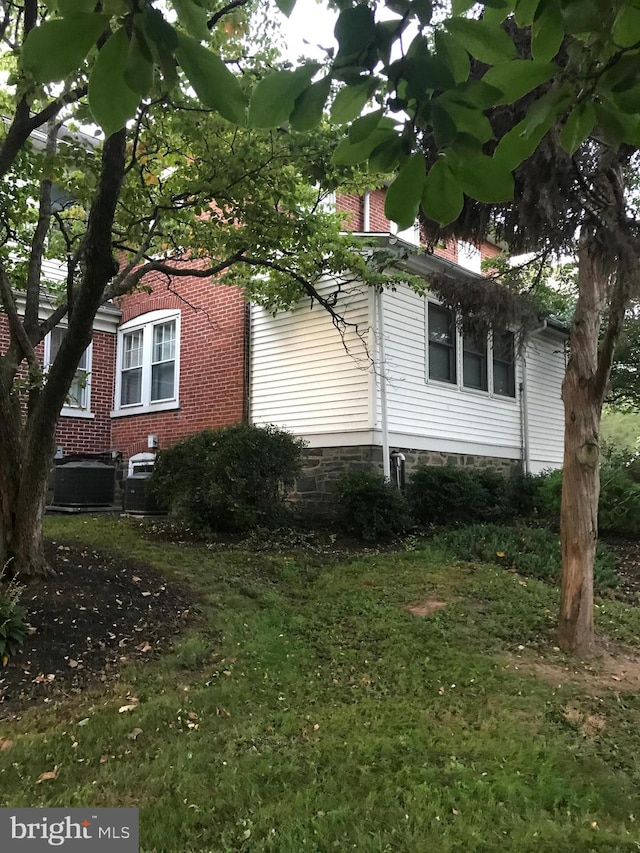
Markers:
<point>545,358</point>
<point>429,414</point>
<point>305,376</point>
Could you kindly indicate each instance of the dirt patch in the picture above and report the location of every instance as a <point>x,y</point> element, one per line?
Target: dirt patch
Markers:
<point>426,608</point>
<point>612,668</point>
<point>97,613</point>
<point>590,725</point>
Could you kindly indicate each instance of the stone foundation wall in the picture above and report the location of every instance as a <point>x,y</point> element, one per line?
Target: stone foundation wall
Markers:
<point>323,466</point>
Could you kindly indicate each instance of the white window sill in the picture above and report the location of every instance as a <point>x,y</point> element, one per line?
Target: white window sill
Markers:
<point>145,410</point>
<point>69,412</point>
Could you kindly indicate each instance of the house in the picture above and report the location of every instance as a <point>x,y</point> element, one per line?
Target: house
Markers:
<point>401,386</point>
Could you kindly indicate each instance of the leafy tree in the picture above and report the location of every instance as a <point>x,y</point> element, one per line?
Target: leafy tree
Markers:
<point>518,118</point>
<point>178,184</point>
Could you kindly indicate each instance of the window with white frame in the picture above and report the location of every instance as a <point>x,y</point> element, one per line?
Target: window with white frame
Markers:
<point>474,361</point>
<point>78,397</point>
<point>469,256</point>
<point>488,360</point>
<point>148,363</point>
<point>442,343</point>
<point>504,369</point>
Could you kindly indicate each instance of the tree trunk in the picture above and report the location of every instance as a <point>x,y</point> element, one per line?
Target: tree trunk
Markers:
<point>23,488</point>
<point>582,398</point>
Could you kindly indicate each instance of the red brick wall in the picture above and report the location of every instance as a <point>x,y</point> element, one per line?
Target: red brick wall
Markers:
<point>352,205</point>
<point>212,386</point>
<point>93,435</point>
<point>84,435</point>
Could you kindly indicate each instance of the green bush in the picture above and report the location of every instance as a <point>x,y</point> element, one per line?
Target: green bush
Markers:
<point>12,620</point>
<point>534,552</point>
<point>452,495</point>
<point>619,506</point>
<point>370,507</point>
<point>229,479</point>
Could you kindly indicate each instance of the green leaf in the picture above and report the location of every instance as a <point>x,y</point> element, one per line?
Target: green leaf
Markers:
<point>402,201</point>
<point>628,100</point>
<point>71,8</point>
<point>355,32</point>
<point>111,100</point>
<point>459,7</point>
<point>485,178</point>
<point>423,10</point>
<point>525,12</point>
<point>349,153</point>
<point>349,103</point>
<point>442,198</point>
<point>485,40</point>
<point>212,81</point>
<point>611,122</point>
<point>139,71</point>
<point>365,125</point>
<point>273,100</point>
<point>193,18</point>
<point>467,120</point>
<point>453,54</point>
<point>520,142</point>
<point>386,156</point>
<point>309,107</point>
<point>577,128</point>
<point>157,30</point>
<point>584,16</point>
<point>56,48</point>
<point>547,32</point>
<point>286,6</point>
<point>518,77</point>
<point>626,27</point>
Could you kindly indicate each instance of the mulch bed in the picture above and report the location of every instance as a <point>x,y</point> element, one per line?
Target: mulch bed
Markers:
<point>95,614</point>
<point>627,552</point>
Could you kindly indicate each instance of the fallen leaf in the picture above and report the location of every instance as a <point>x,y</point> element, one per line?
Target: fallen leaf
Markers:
<point>144,647</point>
<point>133,735</point>
<point>84,722</point>
<point>145,594</point>
<point>104,759</point>
<point>133,704</point>
<point>48,776</point>
<point>73,663</point>
<point>5,743</point>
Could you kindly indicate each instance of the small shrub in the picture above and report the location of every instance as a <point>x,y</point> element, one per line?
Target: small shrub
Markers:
<point>451,495</point>
<point>229,479</point>
<point>12,620</point>
<point>370,507</point>
<point>530,551</point>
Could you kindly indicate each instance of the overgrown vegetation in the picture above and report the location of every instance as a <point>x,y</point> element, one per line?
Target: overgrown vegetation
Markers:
<point>229,479</point>
<point>534,552</point>
<point>12,618</point>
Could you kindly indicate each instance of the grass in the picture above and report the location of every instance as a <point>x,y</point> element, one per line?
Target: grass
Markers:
<point>308,711</point>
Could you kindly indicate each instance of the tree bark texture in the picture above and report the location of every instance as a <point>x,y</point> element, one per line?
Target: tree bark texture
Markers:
<point>582,396</point>
<point>29,411</point>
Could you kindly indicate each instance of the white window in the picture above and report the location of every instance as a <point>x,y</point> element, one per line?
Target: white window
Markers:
<point>148,363</point>
<point>79,396</point>
<point>469,257</point>
<point>487,361</point>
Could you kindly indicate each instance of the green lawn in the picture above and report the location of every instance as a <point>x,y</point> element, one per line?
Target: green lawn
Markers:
<point>308,711</point>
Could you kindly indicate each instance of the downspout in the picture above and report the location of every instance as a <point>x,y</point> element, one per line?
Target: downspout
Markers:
<point>379,310</point>
<point>524,406</point>
<point>384,425</point>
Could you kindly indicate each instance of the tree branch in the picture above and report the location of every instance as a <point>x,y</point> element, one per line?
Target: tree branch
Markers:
<point>234,4</point>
